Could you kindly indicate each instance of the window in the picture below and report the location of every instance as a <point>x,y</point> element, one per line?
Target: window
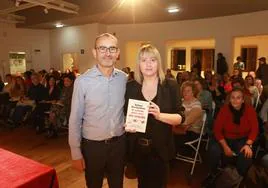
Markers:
<point>178,59</point>
<point>205,56</point>
<point>249,57</point>
<point>17,62</point>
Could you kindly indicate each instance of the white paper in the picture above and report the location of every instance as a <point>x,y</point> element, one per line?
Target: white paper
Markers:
<point>137,115</point>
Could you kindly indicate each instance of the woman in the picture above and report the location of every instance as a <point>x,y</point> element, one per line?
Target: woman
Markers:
<point>235,130</point>
<point>227,83</point>
<point>253,90</point>
<point>191,127</point>
<point>18,88</point>
<point>151,151</point>
<point>60,111</point>
<point>203,95</point>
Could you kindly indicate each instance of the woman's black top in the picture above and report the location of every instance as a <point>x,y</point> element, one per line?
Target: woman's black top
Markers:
<point>169,101</point>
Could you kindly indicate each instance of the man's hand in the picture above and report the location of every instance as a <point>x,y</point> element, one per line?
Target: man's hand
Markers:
<point>79,164</point>
<point>247,151</point>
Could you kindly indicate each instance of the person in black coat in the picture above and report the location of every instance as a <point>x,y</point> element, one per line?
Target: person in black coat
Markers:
<point>222,66</point>
<point>151,151</point>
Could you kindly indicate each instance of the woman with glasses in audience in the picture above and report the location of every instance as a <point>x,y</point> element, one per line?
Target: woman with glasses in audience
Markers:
<point>235,131</point>
<point>151,151</point>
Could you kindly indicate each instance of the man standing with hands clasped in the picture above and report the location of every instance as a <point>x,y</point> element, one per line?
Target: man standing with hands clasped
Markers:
<point>96,125</point>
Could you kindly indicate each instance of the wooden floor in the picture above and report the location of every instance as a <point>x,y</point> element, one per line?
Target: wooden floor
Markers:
<point>56,153</point>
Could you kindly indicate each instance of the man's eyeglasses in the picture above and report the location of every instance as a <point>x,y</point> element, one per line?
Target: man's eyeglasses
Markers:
<point>103,49</point>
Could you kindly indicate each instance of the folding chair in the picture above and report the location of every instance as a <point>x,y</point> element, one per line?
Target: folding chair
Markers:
<point>257,102</point>
<point>197,157</point>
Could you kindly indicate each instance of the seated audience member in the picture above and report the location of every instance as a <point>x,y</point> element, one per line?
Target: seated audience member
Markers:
<point>257,176</point>
<point>17,91</point>
<point>60,111</point>
<point>217,92</point>
<point>179,78</point>
<point>18,88</point>
<point>253,74</point>
<point>239,83</point>
<point>43,106</point>
<point>191,127</point>
<point>203,95</point>
<point>235,130</point>
<point>208,78</point>
<point>259,86</point>
<point>2,84</point>
<point>186,76</point>
<point>237,74</point>
<point>8,87</point>
<point>36,93</point>
<point>169,75</point>
<point>131,76</point>
<point>27,79</point>
<point>253,90</point>
<point>227,83</point>
<point>205,98</point>
<point>263,115</point>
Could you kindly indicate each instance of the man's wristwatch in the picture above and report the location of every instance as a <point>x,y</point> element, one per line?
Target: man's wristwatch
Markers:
<point>249,145</point>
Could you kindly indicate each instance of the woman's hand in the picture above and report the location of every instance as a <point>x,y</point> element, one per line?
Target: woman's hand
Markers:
<point>154,110</point>
<point>228,152</point>
<point>130,130</point>
<point>247,151</point>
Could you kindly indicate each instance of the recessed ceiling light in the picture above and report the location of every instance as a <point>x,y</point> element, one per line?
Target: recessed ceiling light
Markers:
<point>173,10</point>
<point>58,25</point>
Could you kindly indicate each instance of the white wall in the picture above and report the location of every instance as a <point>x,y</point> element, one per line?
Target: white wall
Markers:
<point>222,29</point>
<point>72,40</point>
<point>26,40</point>
<point>55,42</point>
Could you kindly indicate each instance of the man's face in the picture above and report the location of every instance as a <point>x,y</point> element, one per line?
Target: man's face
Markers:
<point>35,79</point>
<point>106,52</point>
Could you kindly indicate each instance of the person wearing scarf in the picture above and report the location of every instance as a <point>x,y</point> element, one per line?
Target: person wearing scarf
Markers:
<point>235,130</point>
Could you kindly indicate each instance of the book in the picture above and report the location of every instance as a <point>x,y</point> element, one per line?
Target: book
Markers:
<point>137,115</point>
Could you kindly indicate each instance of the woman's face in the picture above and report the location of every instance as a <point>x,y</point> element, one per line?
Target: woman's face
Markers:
<point>67,82</point>
<point>236,99</point>
<point>148,65</point>
<point>249,80</point>
<point>187,93</point>
<point>198,85</point>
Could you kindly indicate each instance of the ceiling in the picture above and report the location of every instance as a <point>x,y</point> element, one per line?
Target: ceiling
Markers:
<point>133,11</point>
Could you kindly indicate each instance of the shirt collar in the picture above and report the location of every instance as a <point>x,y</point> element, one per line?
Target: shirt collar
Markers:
<point>96,72</point>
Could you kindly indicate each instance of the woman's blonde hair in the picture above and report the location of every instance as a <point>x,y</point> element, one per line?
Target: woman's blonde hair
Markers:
<point>149,49</point>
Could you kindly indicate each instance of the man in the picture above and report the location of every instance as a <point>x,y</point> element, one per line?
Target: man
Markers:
<point>262,71</point>
<point>239,63</point>
<point>96,132</point>
<point>222,66</point>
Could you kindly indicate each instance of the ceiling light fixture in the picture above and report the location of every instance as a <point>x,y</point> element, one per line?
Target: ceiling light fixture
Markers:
<point>173,10</point>
<point>45,10</point>
<point>59,25</point>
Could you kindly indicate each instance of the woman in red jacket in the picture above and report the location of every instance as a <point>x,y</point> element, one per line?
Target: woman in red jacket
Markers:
<point>235,130</point>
